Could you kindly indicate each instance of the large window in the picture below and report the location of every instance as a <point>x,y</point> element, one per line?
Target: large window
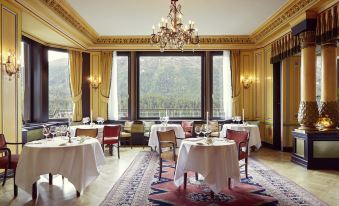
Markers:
<point>59,94</point>
<point>170,82</point>
<point>118,102</point>
<point>217,96</point>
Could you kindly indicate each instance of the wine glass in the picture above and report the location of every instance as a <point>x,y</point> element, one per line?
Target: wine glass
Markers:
<point>204,129</point>
<point>208,130</point>
<point>197,130</point>
<point>233,119</point>
<point>53,131</point>
<point>45,131</point>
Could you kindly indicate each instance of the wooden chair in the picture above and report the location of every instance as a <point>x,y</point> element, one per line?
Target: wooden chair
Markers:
<point>241,138</point>
<point>8,160</point>
<point>215,128</point>
<point>125,134</point>
<point>187,126</point>
<point>111,137</point>
<point>167,147</point>
<point>86,132</point>
<point>137,133</point>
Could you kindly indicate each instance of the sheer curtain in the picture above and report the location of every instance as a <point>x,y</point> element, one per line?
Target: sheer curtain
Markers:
<point>227,85</point>
<point>113,113</point>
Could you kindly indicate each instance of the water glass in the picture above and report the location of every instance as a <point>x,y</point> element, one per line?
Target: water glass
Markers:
<point>45,131</point>
<point>53,131</point>
<point>197,130</point>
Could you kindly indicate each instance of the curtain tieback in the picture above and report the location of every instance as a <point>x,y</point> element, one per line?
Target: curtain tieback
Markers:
<point>236,98</point>
<point>104,98</point>
<point>77,98</point>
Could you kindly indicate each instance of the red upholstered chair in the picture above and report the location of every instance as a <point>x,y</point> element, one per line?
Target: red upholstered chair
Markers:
<point>187,126</point>
<point>241,138</point>
<point>111,137</point>
<point>8,160</point>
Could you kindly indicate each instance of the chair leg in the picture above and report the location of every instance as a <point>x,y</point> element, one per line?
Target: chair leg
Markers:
<point>15,186</point>
<point>5,176</point>
<point>110,149</point>
<point>160,171</point>
<point>246,163</point>
<point>130,142</point>
<point>229,183</point>
<point>118,150</point>
<point>103,147</point>
<point>50,179</point>
<point>196,176</point>
<point>185,180</point>
<point>34,191</point>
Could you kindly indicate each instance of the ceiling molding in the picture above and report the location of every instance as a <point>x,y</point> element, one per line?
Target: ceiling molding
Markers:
<point>282,17</point>
<point>147,40</point>
<point>65,11</point>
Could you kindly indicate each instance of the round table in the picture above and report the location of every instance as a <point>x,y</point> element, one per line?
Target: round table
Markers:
<point>78,161</point>
<point>153,139</point>
<point>254,140</point>
<point>215,162</point>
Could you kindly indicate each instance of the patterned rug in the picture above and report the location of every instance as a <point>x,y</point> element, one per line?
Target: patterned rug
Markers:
<point>139,185</point>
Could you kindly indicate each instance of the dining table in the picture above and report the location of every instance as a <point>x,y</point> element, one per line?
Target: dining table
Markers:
<point>153,139</point>
<point>253,130</point>
<point>79,161</point>
<point>216,161</point>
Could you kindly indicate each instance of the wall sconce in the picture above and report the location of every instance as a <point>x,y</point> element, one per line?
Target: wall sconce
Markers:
<point>9,64</point>
<point>246,81</point>
<point>94,81</point>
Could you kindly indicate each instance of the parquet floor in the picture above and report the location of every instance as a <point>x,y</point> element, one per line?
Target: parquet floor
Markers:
<point>323,184</point>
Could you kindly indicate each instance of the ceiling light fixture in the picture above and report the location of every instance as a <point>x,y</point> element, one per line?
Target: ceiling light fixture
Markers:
<point>172,33</point>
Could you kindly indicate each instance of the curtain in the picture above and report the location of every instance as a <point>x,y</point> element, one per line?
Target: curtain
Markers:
<point>75,70</point>
<point>113,96</point>
<point>106,70</point>
<point>227,85</point>
<point>235,68</point>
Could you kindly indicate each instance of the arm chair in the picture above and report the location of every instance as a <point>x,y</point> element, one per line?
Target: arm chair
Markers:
<point>125,135</point>
<point>167,147</point>
<point>187,126</point>
<point>111,137</point>
<point>215,128</point>
<point>195,124</point>
<point>137,133</point>
<point>8,160</point>
<point>241,138</point>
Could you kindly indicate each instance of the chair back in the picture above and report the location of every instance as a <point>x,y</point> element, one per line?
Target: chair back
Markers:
<point>128,126</point>
<point>2,141</point>
<point>241,138</point>
<point>187,126</point>
<point>214,125</point>
<point>86,132</point>
<point>165,137</point>
<point>137,127</point>
<point>112,131</point>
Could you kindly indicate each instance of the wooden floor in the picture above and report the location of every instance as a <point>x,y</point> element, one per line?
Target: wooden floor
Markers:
<point>323,184</point>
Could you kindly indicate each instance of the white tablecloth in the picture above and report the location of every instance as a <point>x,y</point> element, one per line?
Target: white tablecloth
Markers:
<point>153,139</point>
<point>216,163</point>
<point>254,140</point>
<point>100,128</point>
<point>79,162</point>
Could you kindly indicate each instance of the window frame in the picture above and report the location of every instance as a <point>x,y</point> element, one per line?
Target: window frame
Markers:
<point>200,54</point>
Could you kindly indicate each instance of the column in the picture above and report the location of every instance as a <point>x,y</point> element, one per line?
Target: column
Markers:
<point>328,107</point>
<point>308,109</point>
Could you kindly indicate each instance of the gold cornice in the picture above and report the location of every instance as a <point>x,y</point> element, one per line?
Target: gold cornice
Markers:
<point>282,17</point>
<point>146,40</point>
<point>70,15</point>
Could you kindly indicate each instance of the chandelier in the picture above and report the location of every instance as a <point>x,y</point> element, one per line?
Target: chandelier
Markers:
<point>172,33</point>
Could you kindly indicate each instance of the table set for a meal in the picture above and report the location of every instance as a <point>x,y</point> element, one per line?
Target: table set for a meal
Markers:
<point>78,159</point>
<point>215,159</point>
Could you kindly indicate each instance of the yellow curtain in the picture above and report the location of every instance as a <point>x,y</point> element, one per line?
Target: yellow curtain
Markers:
<point>106,72</point>
<point>235,67</point>
<point>75,70</point>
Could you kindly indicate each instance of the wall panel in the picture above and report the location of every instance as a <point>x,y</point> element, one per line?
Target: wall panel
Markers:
<point>246,68</point>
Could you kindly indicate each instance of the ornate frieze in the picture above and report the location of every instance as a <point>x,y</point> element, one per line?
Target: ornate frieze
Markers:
<point>329,110</point>
<point>308,114</point>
